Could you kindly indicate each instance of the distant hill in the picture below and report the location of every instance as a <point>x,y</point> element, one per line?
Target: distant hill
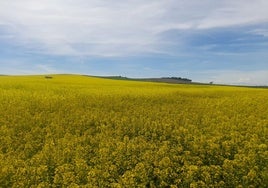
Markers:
<point>175,80</point>
<point>166,80</point>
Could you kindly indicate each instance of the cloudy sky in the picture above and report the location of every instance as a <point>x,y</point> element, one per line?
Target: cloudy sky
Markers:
<point>222,41</point>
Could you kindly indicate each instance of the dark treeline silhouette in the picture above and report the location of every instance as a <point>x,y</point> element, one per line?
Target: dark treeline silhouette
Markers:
<point>178,78</point>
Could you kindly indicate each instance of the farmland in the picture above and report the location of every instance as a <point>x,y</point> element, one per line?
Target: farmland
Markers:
<point>82,131</point>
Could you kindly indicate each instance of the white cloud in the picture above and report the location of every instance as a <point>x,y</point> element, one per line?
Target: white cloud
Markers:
<point>45,68</point>
<point>117,28</point>
<point>239,12</point>
<point>261,32</point>
<point>23,67</point>
<point>259,77</point>
<point>6,36</point>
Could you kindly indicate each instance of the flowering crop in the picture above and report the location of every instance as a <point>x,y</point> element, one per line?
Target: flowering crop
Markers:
<point>80,131</point>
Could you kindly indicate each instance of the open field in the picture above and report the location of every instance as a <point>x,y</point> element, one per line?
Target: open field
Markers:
<point>82,131</point>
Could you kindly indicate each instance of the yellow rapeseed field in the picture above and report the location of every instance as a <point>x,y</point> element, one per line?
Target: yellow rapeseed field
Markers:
<point>78,131</point>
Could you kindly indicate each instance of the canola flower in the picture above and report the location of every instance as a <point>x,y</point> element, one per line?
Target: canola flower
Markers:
<point>78,131</point>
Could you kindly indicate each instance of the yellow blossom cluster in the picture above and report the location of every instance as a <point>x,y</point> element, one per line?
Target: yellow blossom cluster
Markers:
<point>79,131</point>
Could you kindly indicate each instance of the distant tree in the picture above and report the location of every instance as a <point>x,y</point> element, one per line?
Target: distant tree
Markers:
<point>178,78</point>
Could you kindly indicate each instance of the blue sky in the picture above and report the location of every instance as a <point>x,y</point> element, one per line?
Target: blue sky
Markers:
<point>222,41</point>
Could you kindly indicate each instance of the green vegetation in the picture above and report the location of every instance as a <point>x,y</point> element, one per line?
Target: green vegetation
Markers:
<point>75,131</point>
